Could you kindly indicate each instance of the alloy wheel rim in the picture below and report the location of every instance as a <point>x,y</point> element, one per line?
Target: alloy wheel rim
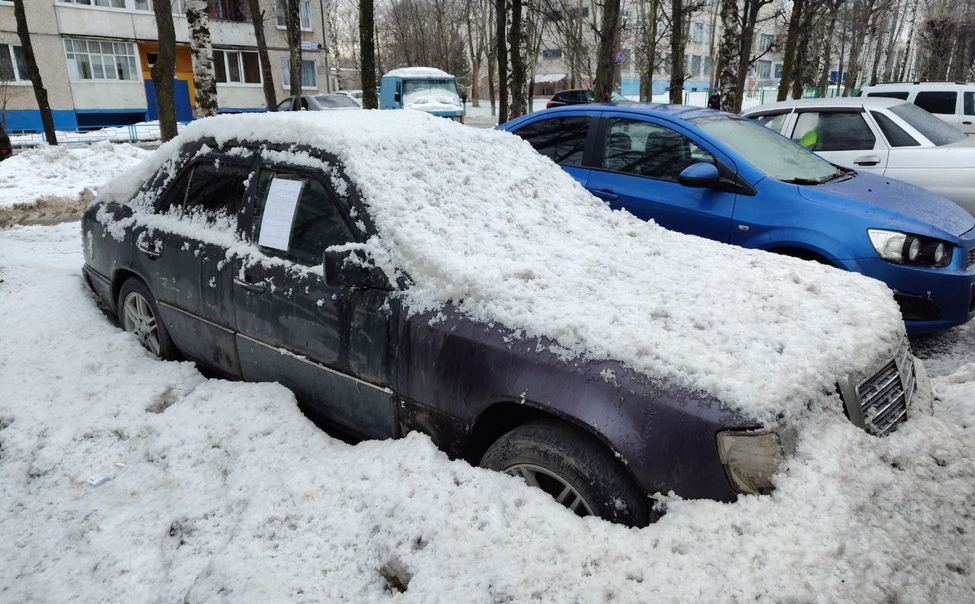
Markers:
<point>558,487</point>
<point>139,319</point>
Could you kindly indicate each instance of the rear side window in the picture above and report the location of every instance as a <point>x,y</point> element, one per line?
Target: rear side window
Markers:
<point>563,139</point>
<point>896,136</point>
<point>772,121</point>
<point>890,95</point>
<point>833,131</point>
<point>317,224</point>
<point>970,103</point>
<point>937,102</point>
<point>209,189</point>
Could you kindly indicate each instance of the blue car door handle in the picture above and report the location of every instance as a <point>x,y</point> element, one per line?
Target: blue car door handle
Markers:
<point>605,193</point>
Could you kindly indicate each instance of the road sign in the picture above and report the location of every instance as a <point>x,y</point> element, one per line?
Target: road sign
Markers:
<point>620,57</point>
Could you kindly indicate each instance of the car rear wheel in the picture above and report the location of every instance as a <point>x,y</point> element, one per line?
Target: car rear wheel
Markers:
<point>573,468</point>
<point>139,316</point>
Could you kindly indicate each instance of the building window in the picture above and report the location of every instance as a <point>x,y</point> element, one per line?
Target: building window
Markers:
<point>695,66</point>
<point>778,71</point>
<point>698,32</point>
<point>179,6</point>
<point>12,65</point>
<point>97,60</point>
<point>230,10</point>
<point>707,66</point>
<point>765,69</point>
<point>765,41</point>
<point>304,13</point>
<point>551,53</point>
<point>236,67</point>
<point>308,74</point>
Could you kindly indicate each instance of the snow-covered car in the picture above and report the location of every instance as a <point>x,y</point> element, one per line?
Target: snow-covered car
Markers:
<point>881,135</point>
<point>319,102</point>
<point>401,272</point>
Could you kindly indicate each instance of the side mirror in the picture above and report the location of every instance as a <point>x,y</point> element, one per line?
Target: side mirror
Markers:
<point>352,268</point>
<point>397,97</point>
<point>701,175</point>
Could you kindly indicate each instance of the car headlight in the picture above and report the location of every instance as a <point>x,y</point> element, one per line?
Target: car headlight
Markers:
<point>903,248</point>
<point>751,457</point>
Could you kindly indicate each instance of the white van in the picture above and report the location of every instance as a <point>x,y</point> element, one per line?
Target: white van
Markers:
<point>954,102</point>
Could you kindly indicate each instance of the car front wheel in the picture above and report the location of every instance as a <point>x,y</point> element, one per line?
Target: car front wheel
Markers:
<point>573,468</point>
<point>139,316</point>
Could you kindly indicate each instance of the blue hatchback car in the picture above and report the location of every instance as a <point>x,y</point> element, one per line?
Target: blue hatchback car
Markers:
<point>724,177</point>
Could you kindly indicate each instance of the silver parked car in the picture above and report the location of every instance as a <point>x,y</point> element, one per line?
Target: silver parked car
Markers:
<point>881,135</point>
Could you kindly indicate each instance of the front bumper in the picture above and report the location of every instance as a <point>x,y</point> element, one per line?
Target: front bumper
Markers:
<point>931,299</point>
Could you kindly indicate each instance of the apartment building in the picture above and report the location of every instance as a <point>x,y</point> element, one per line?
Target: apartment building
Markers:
<point>702,35</point>
<point>95,55</point>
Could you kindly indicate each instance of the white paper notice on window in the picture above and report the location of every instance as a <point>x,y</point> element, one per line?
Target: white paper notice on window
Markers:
<point>279,213</point>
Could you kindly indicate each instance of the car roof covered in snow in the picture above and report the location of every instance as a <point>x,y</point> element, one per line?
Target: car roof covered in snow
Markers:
<point>831,103</point>
<point>417,72</point>
<point>478,219</point>
<point>684,112</point>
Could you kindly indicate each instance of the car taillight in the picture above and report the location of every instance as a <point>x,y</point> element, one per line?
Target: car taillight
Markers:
<point>548,105</point>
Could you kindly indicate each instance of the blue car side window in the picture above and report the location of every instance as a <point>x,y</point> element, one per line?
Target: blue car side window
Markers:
<point>647,149</point>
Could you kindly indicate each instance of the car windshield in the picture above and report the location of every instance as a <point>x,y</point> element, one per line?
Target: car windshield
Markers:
<point>770,152</point>
<point>335,101</point>
<point>411,86</point>
<point>935,130</point>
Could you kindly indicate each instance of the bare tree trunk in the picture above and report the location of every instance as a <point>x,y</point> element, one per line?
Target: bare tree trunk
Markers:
<point>204,80</point>
<point>728,56</point>
<point>257,18</point>
<point>517,108</point>
<point>609,25</point>
<point>828,48</point>
<point>677,45</point>
<point>907,48</point>
<point>789,54</point>
<point>164,69</point>
<point>367,54</point>
<point>501,56</point>
<point>799,70</point>
<point>292,25</point>
<point>40,93</point>
<point>745,47</point>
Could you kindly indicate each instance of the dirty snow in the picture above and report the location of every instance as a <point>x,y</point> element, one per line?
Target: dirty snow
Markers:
<point>480,219</point>
<point>222,491</point>
<point>64,171</point>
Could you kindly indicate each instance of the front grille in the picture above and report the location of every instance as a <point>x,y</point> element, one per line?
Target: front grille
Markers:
<point>880,402</point>
<point>970,260</point>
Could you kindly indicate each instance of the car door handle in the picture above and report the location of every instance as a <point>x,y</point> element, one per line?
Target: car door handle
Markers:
<point>147,251</point>
<point>254,288</point>
<point>606,193</point>
<point>867,160</point>
<point>967,123</point>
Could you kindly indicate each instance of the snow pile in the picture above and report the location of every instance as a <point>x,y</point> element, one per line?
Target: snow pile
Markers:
<point>478,218</point>
<point>220,491</point>
<point>408,73</point>
<point>63,171</point>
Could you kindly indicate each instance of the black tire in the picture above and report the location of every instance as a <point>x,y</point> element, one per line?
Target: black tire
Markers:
<point>579,461</point>
<point>133,286</point>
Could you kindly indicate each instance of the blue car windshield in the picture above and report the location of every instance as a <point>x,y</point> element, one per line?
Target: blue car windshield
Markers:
<point>770,152</point>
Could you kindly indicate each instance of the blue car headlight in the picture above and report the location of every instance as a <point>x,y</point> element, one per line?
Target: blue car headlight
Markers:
<point>904,248</point>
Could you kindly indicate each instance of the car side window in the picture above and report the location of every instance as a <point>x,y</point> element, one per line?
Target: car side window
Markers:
<point>216,188</point>
<point>285,105</point>
<point>970,103</point>
<point>561,139</point>
<point>890,95</point>
<point>207,189</point>
<point>937,102</point>
<point>318,223</point>
<point>647,149</point>
<point>772,121</point>
<point>833,131</point>
<point>896,136</point>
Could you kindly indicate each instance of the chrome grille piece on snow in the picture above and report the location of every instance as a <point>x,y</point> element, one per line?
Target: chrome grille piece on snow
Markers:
<point>880,402</point>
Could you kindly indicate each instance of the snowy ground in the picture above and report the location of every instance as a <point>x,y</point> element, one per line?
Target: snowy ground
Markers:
<point>223,491</point>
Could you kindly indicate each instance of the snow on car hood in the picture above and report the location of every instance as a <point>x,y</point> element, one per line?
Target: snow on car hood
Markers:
<point>907,200</point>
<point>478,219</point>
<point>433,100</point>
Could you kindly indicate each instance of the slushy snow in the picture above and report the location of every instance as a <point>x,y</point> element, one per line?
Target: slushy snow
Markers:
<point>479,219</point>
<point>64,171</point>
<point>219,491</point>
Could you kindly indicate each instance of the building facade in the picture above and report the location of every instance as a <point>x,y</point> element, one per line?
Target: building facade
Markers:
<point>95,55</point>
